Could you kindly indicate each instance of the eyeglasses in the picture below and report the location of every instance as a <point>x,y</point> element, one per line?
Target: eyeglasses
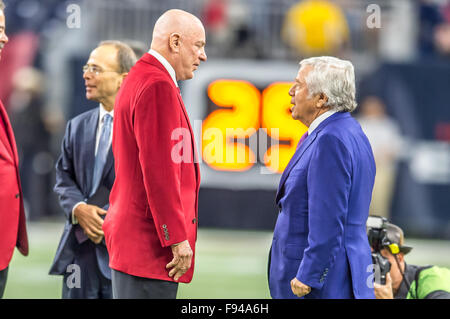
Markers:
<point>95,69</point>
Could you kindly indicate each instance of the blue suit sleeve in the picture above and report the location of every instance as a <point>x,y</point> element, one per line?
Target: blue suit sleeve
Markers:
<point>66,186</point>
<point>329,183</point>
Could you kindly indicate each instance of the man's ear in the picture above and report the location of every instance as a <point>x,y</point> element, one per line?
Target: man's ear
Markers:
<point>322,99</point>
<point>121,78</point>
<point>174,42</point>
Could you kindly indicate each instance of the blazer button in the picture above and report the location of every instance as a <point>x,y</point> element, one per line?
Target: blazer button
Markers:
<point>18,195</point>
<point>194,220</point>
<point>164,226</point>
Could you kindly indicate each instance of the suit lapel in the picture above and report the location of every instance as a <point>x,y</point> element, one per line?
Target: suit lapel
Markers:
<point>109,163</point>
<point>8,138</point>
<point>194,148</point>
<point>148,58</point>
<point>297,155</point>
<point>88,147</point>
<point>303,147</point>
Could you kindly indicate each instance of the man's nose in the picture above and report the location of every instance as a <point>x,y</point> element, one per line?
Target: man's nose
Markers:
<point>4,38</point>
<point>86,75</point>
<point>203,56</point>
<point>291,91</point>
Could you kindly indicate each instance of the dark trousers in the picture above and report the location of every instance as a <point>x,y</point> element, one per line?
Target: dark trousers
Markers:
<point>3,277</point>
<point>84,280</point>
<point>126,286</point>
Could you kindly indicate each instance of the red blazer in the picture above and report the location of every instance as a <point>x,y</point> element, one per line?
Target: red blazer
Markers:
<point>13,231</point>
<point>153,202</point>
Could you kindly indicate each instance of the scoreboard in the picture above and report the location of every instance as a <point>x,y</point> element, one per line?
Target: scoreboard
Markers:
<point>240,112</point>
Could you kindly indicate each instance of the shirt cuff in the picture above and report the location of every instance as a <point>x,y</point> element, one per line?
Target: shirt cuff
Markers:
<point>74,218</point>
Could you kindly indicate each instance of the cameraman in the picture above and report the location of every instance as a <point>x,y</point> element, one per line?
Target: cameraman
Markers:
<point>408,281</point>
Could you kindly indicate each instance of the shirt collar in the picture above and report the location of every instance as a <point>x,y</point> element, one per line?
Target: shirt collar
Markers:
<point>166,64</point>
<point>319,120</point>
<point>103,111</point>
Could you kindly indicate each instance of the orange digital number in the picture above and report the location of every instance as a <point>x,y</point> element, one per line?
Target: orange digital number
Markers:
<point>224,131</point>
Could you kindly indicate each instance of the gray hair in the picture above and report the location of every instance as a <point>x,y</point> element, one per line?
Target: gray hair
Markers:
<point>333,77</point>
<point>2,5</point>
<point>126,57</point>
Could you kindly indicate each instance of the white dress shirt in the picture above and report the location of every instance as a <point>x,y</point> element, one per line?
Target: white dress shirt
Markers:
<point>319,120</point>
<point>166,65</point>
<point>101,116</point>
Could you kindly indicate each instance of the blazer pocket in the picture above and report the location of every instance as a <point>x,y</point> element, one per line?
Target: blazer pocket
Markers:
<point>294,251</point>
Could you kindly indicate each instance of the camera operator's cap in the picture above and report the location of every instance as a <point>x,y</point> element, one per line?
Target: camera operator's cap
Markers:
<point>395,236</point>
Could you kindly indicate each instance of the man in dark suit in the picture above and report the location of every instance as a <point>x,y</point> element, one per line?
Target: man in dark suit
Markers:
<point>151,226</point>
<point>320,247</point>
<point>13,232</point>
<point>85,175</point>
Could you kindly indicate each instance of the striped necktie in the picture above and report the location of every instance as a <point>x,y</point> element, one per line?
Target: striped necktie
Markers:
<point>102,153</point>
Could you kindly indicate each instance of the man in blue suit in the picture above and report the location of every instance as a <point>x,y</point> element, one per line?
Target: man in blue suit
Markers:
<point>320,247</point>
<point>85,176</point>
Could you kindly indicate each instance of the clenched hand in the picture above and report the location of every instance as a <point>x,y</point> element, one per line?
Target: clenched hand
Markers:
<point>298,288</point>
<point>88,217</point>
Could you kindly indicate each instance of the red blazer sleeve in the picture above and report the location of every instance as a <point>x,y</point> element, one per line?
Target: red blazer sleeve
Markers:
<point>156,114</point>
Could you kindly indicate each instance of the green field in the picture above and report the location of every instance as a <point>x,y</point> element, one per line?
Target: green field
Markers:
<point>229,264</point>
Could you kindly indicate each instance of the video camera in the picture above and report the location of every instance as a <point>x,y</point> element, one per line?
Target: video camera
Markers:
<point>378,240</point>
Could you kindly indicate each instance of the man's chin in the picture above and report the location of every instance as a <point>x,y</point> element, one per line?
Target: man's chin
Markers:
<point>91,97</point>
<point>189,76</point>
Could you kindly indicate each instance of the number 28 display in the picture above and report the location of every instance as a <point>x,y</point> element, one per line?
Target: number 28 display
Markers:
<point>247,125</point>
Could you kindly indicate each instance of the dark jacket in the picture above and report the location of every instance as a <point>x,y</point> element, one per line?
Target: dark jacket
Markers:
<point>74,171</point>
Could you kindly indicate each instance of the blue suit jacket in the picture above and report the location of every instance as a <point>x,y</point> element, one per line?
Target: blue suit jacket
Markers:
<point>324,196</point>
<point>74,170</point>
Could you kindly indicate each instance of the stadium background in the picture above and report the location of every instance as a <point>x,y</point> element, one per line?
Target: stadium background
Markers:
<point>401,53</point>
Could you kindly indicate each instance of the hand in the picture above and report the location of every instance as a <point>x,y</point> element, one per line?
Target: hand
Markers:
<point>299,289</point>
<point>384,291</point>
<point>88,217</point>
<point>182,258</point>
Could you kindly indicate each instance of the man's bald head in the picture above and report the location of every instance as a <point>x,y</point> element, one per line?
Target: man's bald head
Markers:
<point>180,38</point>
<point>174,21</point>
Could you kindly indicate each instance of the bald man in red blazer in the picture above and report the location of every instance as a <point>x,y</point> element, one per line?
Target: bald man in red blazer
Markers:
<point>151,225</point>
<point>13,230</point>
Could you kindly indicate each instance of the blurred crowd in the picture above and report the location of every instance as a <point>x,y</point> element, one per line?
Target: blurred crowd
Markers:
<point>37,78</point>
